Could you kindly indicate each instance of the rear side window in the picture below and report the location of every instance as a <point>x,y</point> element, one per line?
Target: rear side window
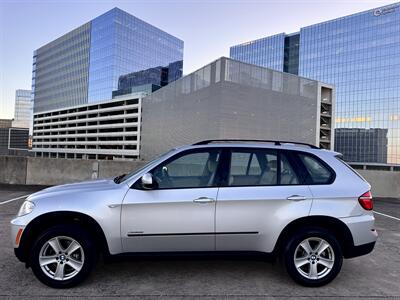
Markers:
<point>318,172</point>
<point>253,168</point>
<point>261,167</point>
<point>287,174</point>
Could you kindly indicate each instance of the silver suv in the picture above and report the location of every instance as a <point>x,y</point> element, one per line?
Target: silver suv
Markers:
<point>289,200</point>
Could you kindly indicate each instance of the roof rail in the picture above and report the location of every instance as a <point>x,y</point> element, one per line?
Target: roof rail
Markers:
<point>276,142</point>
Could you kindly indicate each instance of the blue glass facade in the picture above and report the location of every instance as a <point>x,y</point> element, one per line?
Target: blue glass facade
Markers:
<point>153,78</point>
<point>85,65</point>
<point>266,52</point>
<point>123,44</point>
<point>60,71</point>
<point>360,55</point>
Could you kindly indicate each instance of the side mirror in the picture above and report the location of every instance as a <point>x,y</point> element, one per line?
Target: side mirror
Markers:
<point>147,181</point>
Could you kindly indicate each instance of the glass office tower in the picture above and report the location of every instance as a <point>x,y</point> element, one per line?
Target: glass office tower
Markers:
<point>84,65</point>
<point>266,52</point>
<point>60,71</point>
<point>23,109</point>
<point>360,55</point>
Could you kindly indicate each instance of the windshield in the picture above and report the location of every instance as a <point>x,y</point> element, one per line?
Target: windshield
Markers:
<point>133,173</point>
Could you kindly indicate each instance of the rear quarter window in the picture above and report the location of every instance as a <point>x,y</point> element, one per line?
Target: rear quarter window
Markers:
<point>318,171</point>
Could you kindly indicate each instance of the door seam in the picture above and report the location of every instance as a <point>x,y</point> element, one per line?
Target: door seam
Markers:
<point>312,199</point>
<point>215,221</point>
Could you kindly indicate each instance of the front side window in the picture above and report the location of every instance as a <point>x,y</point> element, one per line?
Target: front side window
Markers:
<point>318,173</point>
<point>192,170</point>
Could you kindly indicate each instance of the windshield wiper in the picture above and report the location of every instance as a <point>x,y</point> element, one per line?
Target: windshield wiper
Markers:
<point>119,178</point>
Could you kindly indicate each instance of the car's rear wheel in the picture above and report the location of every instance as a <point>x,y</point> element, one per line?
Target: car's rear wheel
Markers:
<point>63,256</point>
<point>313,257</point>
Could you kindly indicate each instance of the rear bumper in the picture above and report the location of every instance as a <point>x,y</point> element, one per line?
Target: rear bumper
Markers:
<point>359,250</point>
<point>362,229</point>
<point>364,235</point>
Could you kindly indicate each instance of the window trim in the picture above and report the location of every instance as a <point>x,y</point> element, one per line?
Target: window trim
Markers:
<point>222,173</point>
<point>293,158</point>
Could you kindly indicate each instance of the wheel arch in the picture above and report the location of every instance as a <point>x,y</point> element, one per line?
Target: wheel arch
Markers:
<point>40,223</point>
<point>331,224</point>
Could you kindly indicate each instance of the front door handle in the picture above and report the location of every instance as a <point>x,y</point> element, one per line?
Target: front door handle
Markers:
<point>203,200</point>
<point>296,198</point>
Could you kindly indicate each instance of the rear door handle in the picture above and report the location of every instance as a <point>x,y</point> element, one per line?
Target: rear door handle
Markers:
<point>296,198</point>
<point>203,200</point>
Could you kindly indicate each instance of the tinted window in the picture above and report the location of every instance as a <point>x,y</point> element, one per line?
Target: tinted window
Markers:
<point>239,163</point>
<point>192,170</point>
<point>318,172</point>
<point>288,175</point>
<point>254,168</point>
<point>245,163</point>
<point>249,168</point>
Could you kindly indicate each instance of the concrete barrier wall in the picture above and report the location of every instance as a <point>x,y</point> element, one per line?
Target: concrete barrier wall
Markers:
<point>48,171</point>
<point>384,183</point>
<point>13,169</point>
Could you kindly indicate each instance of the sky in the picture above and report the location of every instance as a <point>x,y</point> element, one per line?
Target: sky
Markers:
<point>207,27</point>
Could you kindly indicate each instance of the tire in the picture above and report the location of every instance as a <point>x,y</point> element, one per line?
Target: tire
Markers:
<point>63,269</point>
<point>314,268</point>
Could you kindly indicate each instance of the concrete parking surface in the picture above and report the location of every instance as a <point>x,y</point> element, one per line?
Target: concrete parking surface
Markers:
<point>376,275</point>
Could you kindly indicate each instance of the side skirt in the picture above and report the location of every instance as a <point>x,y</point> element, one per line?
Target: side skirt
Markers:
<point>194,255</point>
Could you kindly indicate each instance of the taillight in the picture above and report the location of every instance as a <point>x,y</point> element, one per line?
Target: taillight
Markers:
<point>365,201</point>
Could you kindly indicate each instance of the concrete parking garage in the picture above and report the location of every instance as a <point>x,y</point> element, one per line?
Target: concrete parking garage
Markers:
<point>373,276</point>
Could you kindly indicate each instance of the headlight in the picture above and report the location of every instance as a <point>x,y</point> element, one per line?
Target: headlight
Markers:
<point>26,208</point>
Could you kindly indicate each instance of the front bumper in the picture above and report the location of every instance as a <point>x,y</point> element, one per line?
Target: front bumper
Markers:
<point>20,254</point>
<point>17,231</point>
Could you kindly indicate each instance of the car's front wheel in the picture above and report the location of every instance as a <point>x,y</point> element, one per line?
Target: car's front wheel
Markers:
<point>313,257</point>
<point>63,256</point>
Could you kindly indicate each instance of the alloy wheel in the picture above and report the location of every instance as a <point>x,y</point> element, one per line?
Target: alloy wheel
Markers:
<point>314,258</point>
<point>61,258</point>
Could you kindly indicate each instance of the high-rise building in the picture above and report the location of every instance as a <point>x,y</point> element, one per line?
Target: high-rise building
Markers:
<point>360,55</point>
<point>266,52</point>
<point>356,144</point>
<point>84,65</point>
<point>5,123</point>
<point>23,109</point>
<point>14,141</point>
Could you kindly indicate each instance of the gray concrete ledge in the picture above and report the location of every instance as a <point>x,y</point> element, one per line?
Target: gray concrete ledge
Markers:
<point>50,171</point>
